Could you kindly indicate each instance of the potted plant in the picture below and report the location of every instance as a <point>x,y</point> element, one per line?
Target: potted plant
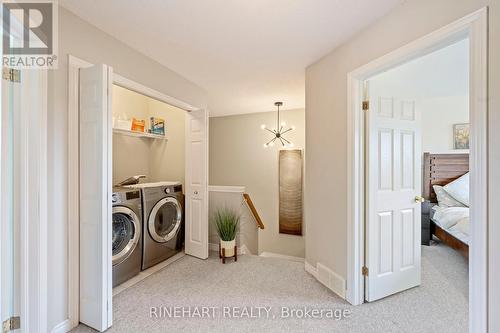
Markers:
<point>226,222</point>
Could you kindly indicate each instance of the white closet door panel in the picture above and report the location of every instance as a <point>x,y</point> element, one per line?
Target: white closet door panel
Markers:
<point>196,192</point>
<point>95,204</point>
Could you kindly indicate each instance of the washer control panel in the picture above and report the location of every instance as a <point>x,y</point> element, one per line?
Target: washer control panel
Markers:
<point>120,197</point>
<point>115,198</point>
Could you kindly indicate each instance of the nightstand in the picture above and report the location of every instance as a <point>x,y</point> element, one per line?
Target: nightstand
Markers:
<point>426,223</point>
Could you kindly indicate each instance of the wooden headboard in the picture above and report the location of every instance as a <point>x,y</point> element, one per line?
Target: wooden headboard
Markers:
<point>441,169</point>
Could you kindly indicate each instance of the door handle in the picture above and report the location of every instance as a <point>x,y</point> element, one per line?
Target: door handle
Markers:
<point>419,199</point>
<point>196,192</point>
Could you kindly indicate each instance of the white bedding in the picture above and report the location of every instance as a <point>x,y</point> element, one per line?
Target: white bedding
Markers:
<point>461,230</point>
<point>454,220</point>
<point>447,217</point>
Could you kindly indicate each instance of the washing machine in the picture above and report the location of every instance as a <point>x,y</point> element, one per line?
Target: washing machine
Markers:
<point>163,221</point>
<point>127,234</point>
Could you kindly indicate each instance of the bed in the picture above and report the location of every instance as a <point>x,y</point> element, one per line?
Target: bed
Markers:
<point>448,224</point>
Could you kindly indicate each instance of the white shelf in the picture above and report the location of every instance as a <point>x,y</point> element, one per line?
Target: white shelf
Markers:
<point>139,134</point>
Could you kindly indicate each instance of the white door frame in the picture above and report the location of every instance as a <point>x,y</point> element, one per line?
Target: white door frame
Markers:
<point>74,65</point>
<point>474,26</point>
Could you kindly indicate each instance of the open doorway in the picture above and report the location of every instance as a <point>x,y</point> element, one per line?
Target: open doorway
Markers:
<point>91,101</point>
<point>474,28</point>
<point>417,168</point>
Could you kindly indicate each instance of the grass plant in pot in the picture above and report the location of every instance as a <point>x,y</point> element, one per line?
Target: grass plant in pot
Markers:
<point>226,223</point>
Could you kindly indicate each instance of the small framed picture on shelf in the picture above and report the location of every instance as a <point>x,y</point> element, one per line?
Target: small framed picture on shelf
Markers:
<point>461,136</point>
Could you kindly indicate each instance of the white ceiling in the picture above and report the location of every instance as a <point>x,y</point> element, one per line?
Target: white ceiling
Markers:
<point>245,53</point>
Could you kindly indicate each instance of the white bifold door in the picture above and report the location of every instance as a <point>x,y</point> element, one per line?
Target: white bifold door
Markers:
<point>394,158</point>
<point>11,192</point>
<point>196,191</point>
<point>95,203</point>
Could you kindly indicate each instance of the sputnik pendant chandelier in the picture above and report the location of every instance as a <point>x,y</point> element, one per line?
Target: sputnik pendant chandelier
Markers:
<point>279,131</point>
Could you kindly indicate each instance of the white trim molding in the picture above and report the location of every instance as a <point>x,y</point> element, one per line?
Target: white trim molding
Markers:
<point>226,189</point>
<point>478,99</point>
<point>144,90</point>
<point>62,327</point>
<point>328,278</point>
<point>74,65</point>
<point>281,256</point>
<point>474,27</point>
<point>311,269</point>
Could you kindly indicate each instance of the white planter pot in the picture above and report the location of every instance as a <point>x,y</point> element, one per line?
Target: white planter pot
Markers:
<point>228,247</point>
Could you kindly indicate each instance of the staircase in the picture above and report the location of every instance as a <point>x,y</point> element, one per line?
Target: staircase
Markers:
<point>235,198</point>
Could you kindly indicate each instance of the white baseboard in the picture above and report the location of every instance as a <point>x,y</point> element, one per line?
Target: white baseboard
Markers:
<point>62,327</point>
<point>328,278</point>
<point>281,256</point>
<point>144,274</point>
<point>311,269</point>
<point>242,249</point>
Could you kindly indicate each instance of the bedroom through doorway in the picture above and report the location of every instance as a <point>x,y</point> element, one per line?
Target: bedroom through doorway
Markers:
<point>417,178</point>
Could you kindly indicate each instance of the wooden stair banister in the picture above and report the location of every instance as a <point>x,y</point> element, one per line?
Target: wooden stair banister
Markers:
<point>252,208</point>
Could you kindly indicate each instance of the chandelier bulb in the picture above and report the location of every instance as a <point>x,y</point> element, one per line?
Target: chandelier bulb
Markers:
<point>263,127</point>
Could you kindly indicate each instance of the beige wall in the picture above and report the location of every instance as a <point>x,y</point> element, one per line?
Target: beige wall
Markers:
<point>441,96</point>
<point>237,157</point>
<point>439,114</point>
<point>167,159</point>
<point>159,160</point>
<point>326,122</point>
<point>130,154</point>
<point>127,104</point>
<point>80,39</point>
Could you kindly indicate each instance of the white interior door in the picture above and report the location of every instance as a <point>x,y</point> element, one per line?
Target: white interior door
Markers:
<point>9,232</point>
<point>394,174</point>
<point>23,229</point>
<point>196,192</point>
<point>95,192</point>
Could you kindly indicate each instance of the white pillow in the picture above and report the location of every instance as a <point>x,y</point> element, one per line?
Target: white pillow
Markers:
<point>459,189</point>
<point>444,199</point>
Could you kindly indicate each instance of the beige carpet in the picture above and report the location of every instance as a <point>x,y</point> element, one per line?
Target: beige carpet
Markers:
<point>438,305</point>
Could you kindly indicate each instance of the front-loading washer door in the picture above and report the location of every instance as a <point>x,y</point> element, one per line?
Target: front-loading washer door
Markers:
<point>126,233</point>
<point>165,219</point>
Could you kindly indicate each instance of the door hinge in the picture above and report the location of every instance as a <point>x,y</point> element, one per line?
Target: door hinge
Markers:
<point>364,271</point>
<point>11,74</point>
<point>366,105</point>
<point>13,323</point>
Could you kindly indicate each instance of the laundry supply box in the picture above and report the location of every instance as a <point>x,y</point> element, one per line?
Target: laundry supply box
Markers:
<point>157,126</point>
